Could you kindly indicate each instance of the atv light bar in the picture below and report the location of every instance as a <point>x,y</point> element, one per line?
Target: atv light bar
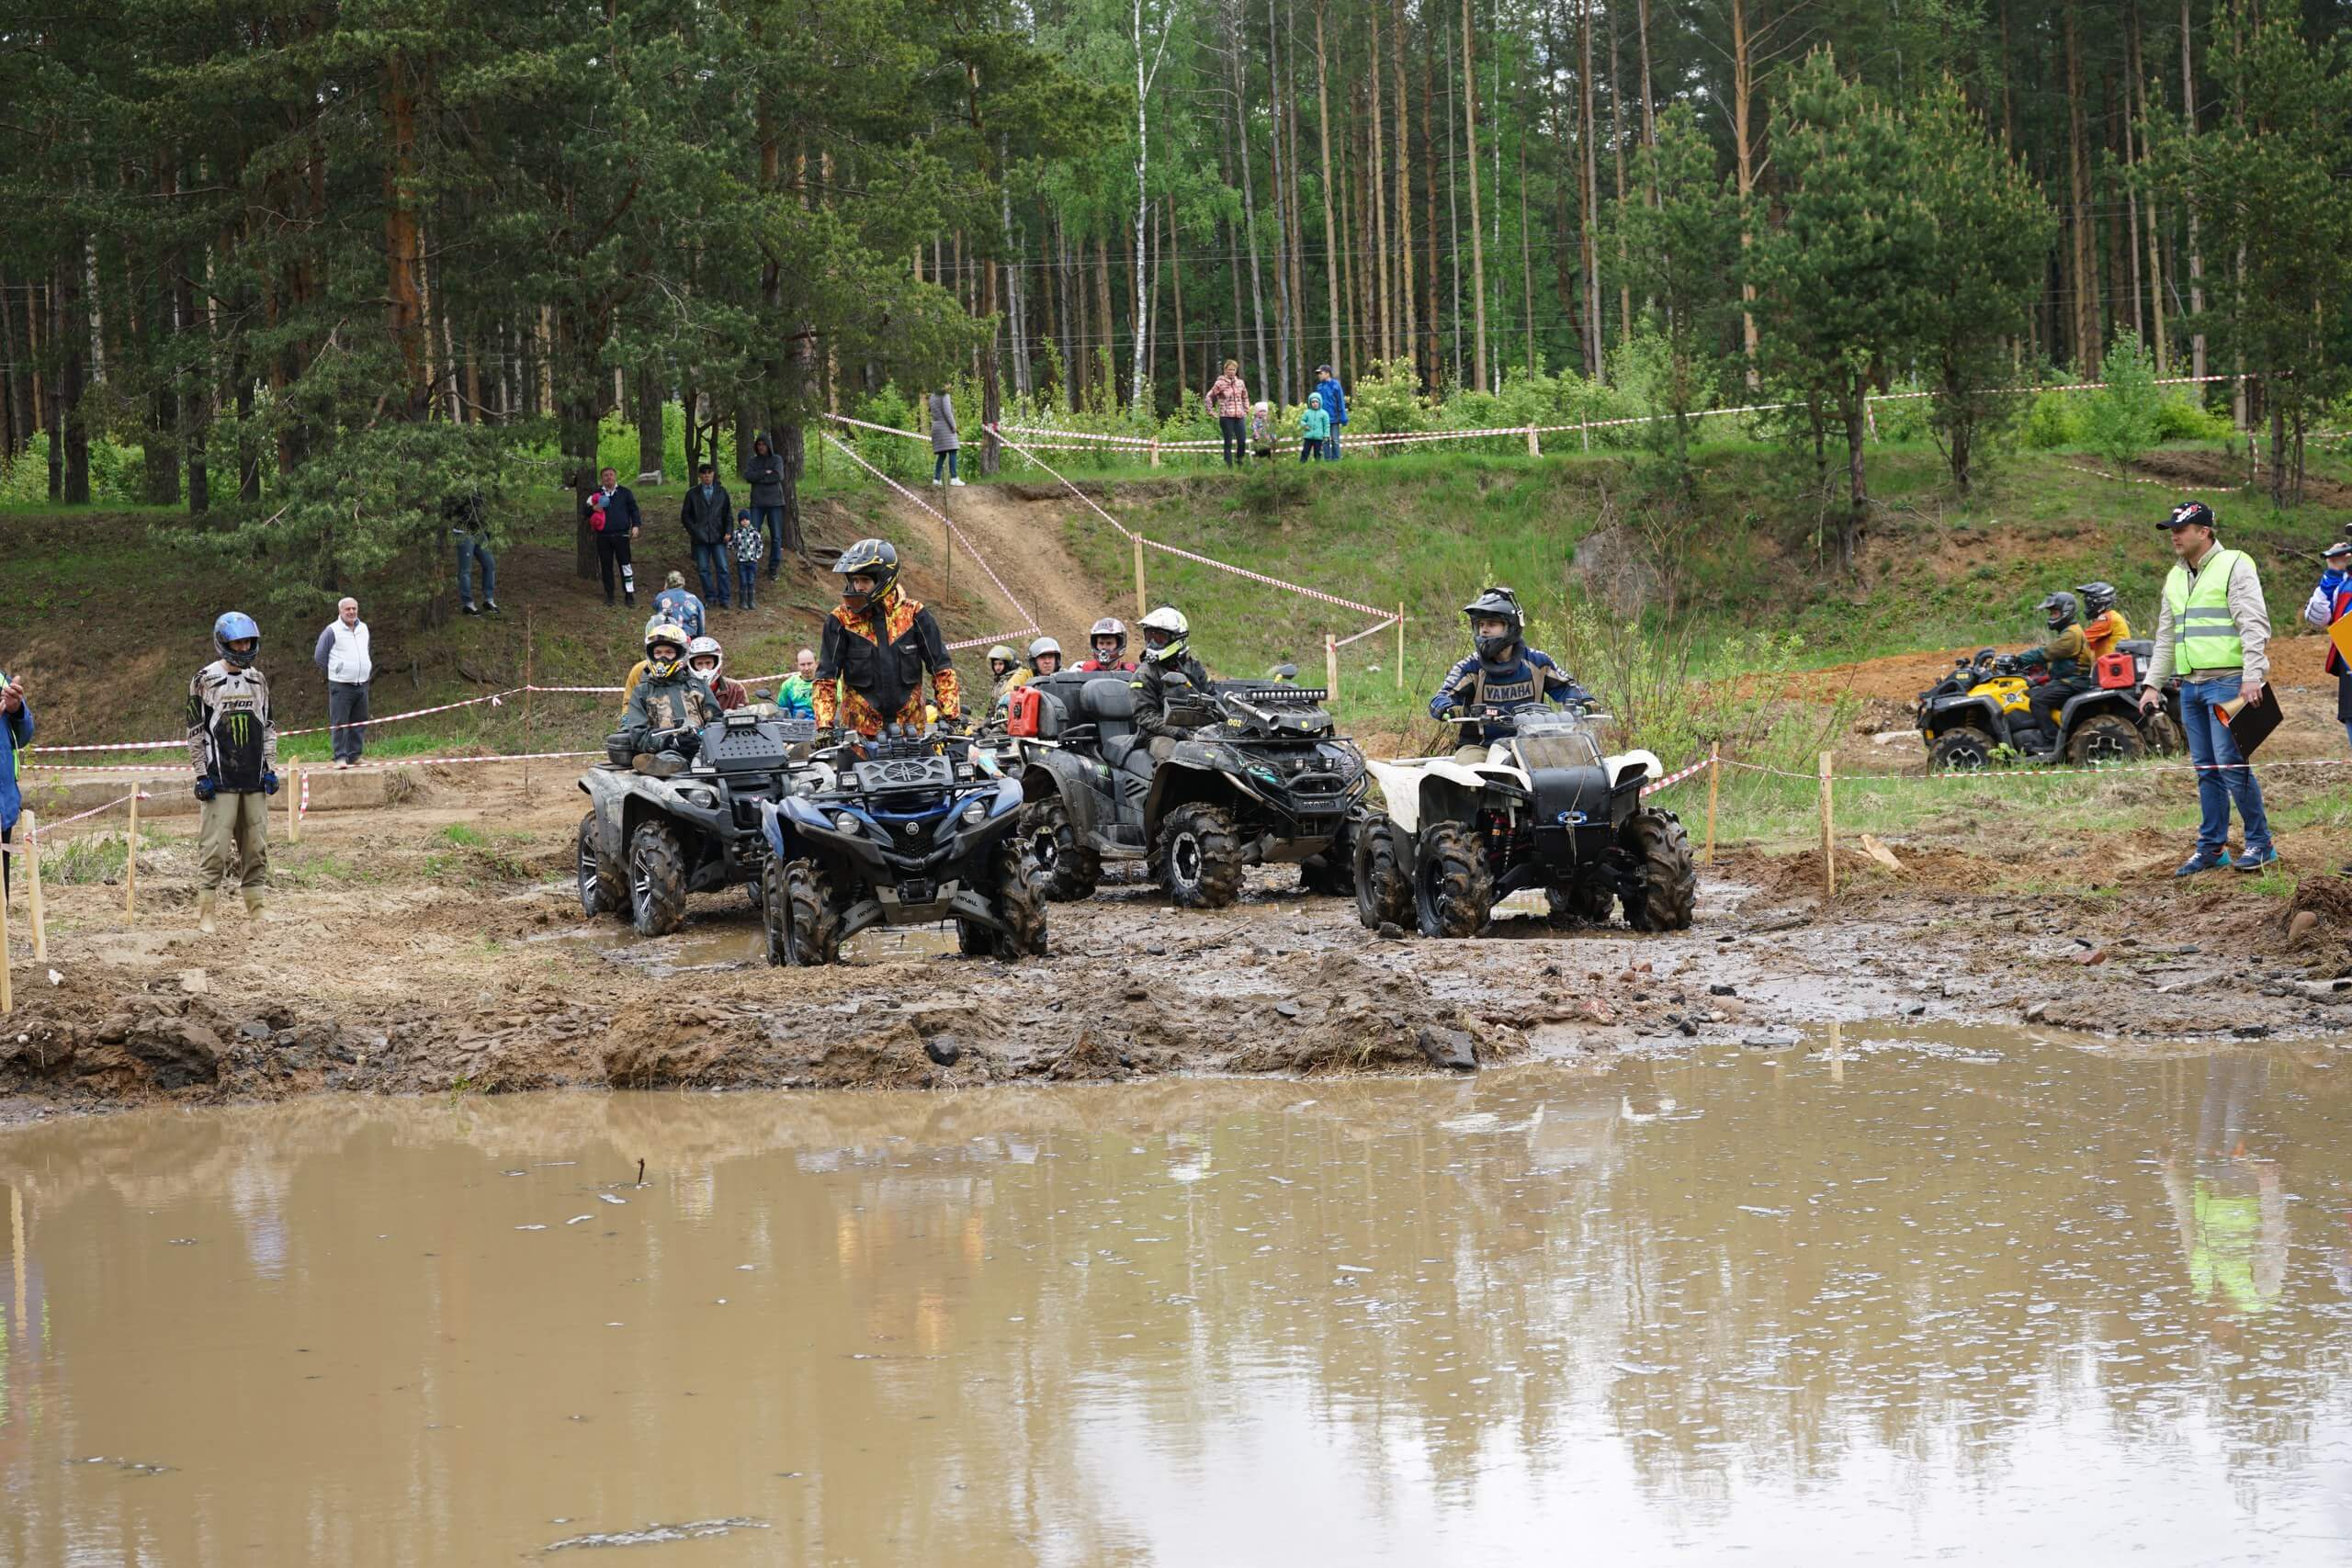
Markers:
<point>1292,696</point>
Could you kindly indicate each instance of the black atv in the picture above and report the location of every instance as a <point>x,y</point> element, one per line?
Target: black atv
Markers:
<point>667,824</point>
<point>1261,780</point>
<point>1983,708</point>
<point>907,828</point>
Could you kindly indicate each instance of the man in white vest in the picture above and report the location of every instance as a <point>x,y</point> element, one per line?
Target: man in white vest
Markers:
<point>343,654</point>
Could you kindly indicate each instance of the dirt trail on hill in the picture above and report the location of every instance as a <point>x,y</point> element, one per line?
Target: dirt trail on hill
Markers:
<point>1022,543</point>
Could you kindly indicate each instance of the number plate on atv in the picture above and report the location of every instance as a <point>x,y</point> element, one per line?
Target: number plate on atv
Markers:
<point>906,772</point>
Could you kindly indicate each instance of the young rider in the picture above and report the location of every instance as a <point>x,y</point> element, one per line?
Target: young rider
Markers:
<point>1109,641</point>
<point>1504,674</point>
<point>2104,625</point>
<point>1167,638</point>
<point>670,705</point>
<point>878,642</point>
<point>233,746</point>
<point>703,656</point>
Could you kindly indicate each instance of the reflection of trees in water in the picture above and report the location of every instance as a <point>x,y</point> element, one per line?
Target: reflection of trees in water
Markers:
<point>1578,1239</point>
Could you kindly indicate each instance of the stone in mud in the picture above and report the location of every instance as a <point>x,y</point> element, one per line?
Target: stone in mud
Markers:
<point>2301,927</point>
<point>944,1049</point>
<point>1771,1039</point>
<point>1450,1049</point>
<point>1390,931</point>
<point>177,1052</point>
<point>1287,1009</point>
<point>253,1028</point>
<point>1723,990</point>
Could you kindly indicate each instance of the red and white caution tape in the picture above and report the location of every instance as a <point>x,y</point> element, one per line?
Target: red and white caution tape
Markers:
<point>496,699</point>
<point>1358,636</point>
<point>45,828</point>
<point>986,570</point>
<point>1701,766</point>
<point>304,809</point>
<point>2028,773</point>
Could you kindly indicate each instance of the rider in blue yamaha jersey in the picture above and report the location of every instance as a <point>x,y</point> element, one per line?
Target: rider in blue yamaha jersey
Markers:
<point>1504,675</point>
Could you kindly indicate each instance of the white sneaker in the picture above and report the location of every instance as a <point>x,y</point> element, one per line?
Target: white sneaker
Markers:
<point>934,484</point>
<point>954,482</point>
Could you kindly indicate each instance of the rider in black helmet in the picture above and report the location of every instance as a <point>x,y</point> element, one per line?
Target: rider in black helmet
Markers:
<point>2066,655</point>
<point>1504,675</point>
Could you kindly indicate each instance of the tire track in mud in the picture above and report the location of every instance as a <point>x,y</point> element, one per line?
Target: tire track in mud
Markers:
<point>1021,541</point>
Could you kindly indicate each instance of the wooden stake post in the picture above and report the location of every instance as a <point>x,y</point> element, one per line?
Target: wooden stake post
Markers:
<point>130,862</point>
<point>1400,644</point>
<point>1715,788</point>
<point>1140,610</point>
<point>1828,832</point>
<point>294,807</point>
<point>1332,669</point>
<point>32,867</point>
<point>530,730</point>
<point>1534,447</point>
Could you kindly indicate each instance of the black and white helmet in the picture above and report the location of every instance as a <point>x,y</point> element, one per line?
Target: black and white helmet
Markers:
<point>705,647</point>
<point>2097,598</point>
<point>1495,604</point>
<point>1165,633</point>
<point>1112,626</point>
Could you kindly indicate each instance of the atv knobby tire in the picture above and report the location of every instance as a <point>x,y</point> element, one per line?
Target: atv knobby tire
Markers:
<point>1067,869</point>
<point>775,908</point>
<point>1383,896</point>
<point>1453,891</point>
<point>1964,751</point>
<point>1197,858</point>
<point>656,879</point>
<point>603,889</point>
<point>812,936</point>
<point>1020,904</point>
<point>2104,741</point>
<point>1585,904</point>
<point>1666,884</point>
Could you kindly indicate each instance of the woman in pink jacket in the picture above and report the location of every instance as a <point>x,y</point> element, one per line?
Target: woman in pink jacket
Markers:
<point>1230,401</point>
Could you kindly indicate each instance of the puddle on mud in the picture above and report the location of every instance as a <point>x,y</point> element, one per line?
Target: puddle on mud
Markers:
<point>739,943</point>
<point>1958,1295</point>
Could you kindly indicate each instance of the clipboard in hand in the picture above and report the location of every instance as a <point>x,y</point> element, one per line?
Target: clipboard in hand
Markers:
<point>2250,725</point>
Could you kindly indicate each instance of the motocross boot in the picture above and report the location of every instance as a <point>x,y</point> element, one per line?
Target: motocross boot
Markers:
<point>204,903</point>
<point>255,900</point>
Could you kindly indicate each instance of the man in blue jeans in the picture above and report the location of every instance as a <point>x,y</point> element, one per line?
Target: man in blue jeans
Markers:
<point>2214,631</point>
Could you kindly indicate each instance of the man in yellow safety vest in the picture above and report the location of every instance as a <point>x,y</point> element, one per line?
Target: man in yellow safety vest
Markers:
<point>2214,631</point>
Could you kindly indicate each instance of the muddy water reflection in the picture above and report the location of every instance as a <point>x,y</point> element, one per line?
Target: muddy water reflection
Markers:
<point>1973,1299</point>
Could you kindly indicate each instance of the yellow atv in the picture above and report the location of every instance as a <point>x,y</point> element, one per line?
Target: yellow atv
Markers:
<point>1985,707</point>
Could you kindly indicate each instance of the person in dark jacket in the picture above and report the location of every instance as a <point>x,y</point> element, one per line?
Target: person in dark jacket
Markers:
<point>16,734</point>
<point>1335,403</point>
<point>1501,676</point>
<point>764,472</point>
<point>707,511</point>
<point>1166,650</point>
<point>468,520</point>
<point>946,440</point>
<point>614,521</point>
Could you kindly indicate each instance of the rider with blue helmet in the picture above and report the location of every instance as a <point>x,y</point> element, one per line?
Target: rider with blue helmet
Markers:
<point>233,746</point>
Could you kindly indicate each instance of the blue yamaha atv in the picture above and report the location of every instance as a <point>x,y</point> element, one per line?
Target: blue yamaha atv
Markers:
<point>904,829</point>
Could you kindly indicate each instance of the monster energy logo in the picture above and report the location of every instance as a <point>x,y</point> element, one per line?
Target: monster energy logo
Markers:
<point>238,729</point>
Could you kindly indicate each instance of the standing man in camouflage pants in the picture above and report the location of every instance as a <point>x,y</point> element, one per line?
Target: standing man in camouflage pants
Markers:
<point>233,746</point>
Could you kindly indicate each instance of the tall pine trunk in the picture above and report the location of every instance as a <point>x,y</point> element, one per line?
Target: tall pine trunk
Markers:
<point>1477,242</point>
<point>1408,326</point>
<point>1375,194</point>
<point>1330,229</point>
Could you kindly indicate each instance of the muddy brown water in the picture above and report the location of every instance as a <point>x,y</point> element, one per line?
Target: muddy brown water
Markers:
<point>1960,1295</point>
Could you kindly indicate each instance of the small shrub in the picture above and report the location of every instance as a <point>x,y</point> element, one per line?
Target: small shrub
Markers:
<point>2120,418</point>
<point>2055,421</point>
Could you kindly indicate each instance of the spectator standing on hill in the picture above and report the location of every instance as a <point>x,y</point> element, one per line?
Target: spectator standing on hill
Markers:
<point>615,521</point>
<point>1335,405</point>
<point>1314,430</point>
<point>466,518</point>
<point>1262,429</point>
<point>343,656</point>
<point>764,472</point>
<point>16,734</point>
<point>2213,631</point>
<point>943,437</point>
<point>677,604</point>
<point>1229,400</point>
<point>705,513</point>
<point>745,545</point>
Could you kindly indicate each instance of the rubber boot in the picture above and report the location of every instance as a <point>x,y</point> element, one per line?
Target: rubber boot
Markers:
<point>204,902</point>
<point>254,902</point>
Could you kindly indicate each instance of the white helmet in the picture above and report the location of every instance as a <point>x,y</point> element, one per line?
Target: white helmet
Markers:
<point>701,645</point>
<point>1043,646</point>
<point>1173,631</point>
<point>1109,626</point>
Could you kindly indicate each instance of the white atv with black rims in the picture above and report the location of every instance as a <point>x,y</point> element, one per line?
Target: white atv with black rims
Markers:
<point>1542,809</point>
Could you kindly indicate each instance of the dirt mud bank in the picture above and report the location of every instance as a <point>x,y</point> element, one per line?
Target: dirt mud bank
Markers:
<point>438,948</point>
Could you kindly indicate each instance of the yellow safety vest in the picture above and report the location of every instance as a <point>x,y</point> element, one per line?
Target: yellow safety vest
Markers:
<point>2205,636</point>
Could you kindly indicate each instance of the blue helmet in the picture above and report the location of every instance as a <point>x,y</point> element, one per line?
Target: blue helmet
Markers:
<point>236,626</point>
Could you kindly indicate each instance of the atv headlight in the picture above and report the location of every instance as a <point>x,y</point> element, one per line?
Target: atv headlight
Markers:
<point>845,822</point>
<point>977,813</point>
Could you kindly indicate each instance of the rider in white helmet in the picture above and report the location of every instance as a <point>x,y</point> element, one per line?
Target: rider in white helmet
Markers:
<point>703,656</point>
<point>1044,657</point>
<point>1167,638</point>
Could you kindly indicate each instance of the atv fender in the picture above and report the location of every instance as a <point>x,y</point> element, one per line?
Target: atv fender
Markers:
<point>1403,783</point>
<point>1626,766</point>
<point>1964,713</point>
